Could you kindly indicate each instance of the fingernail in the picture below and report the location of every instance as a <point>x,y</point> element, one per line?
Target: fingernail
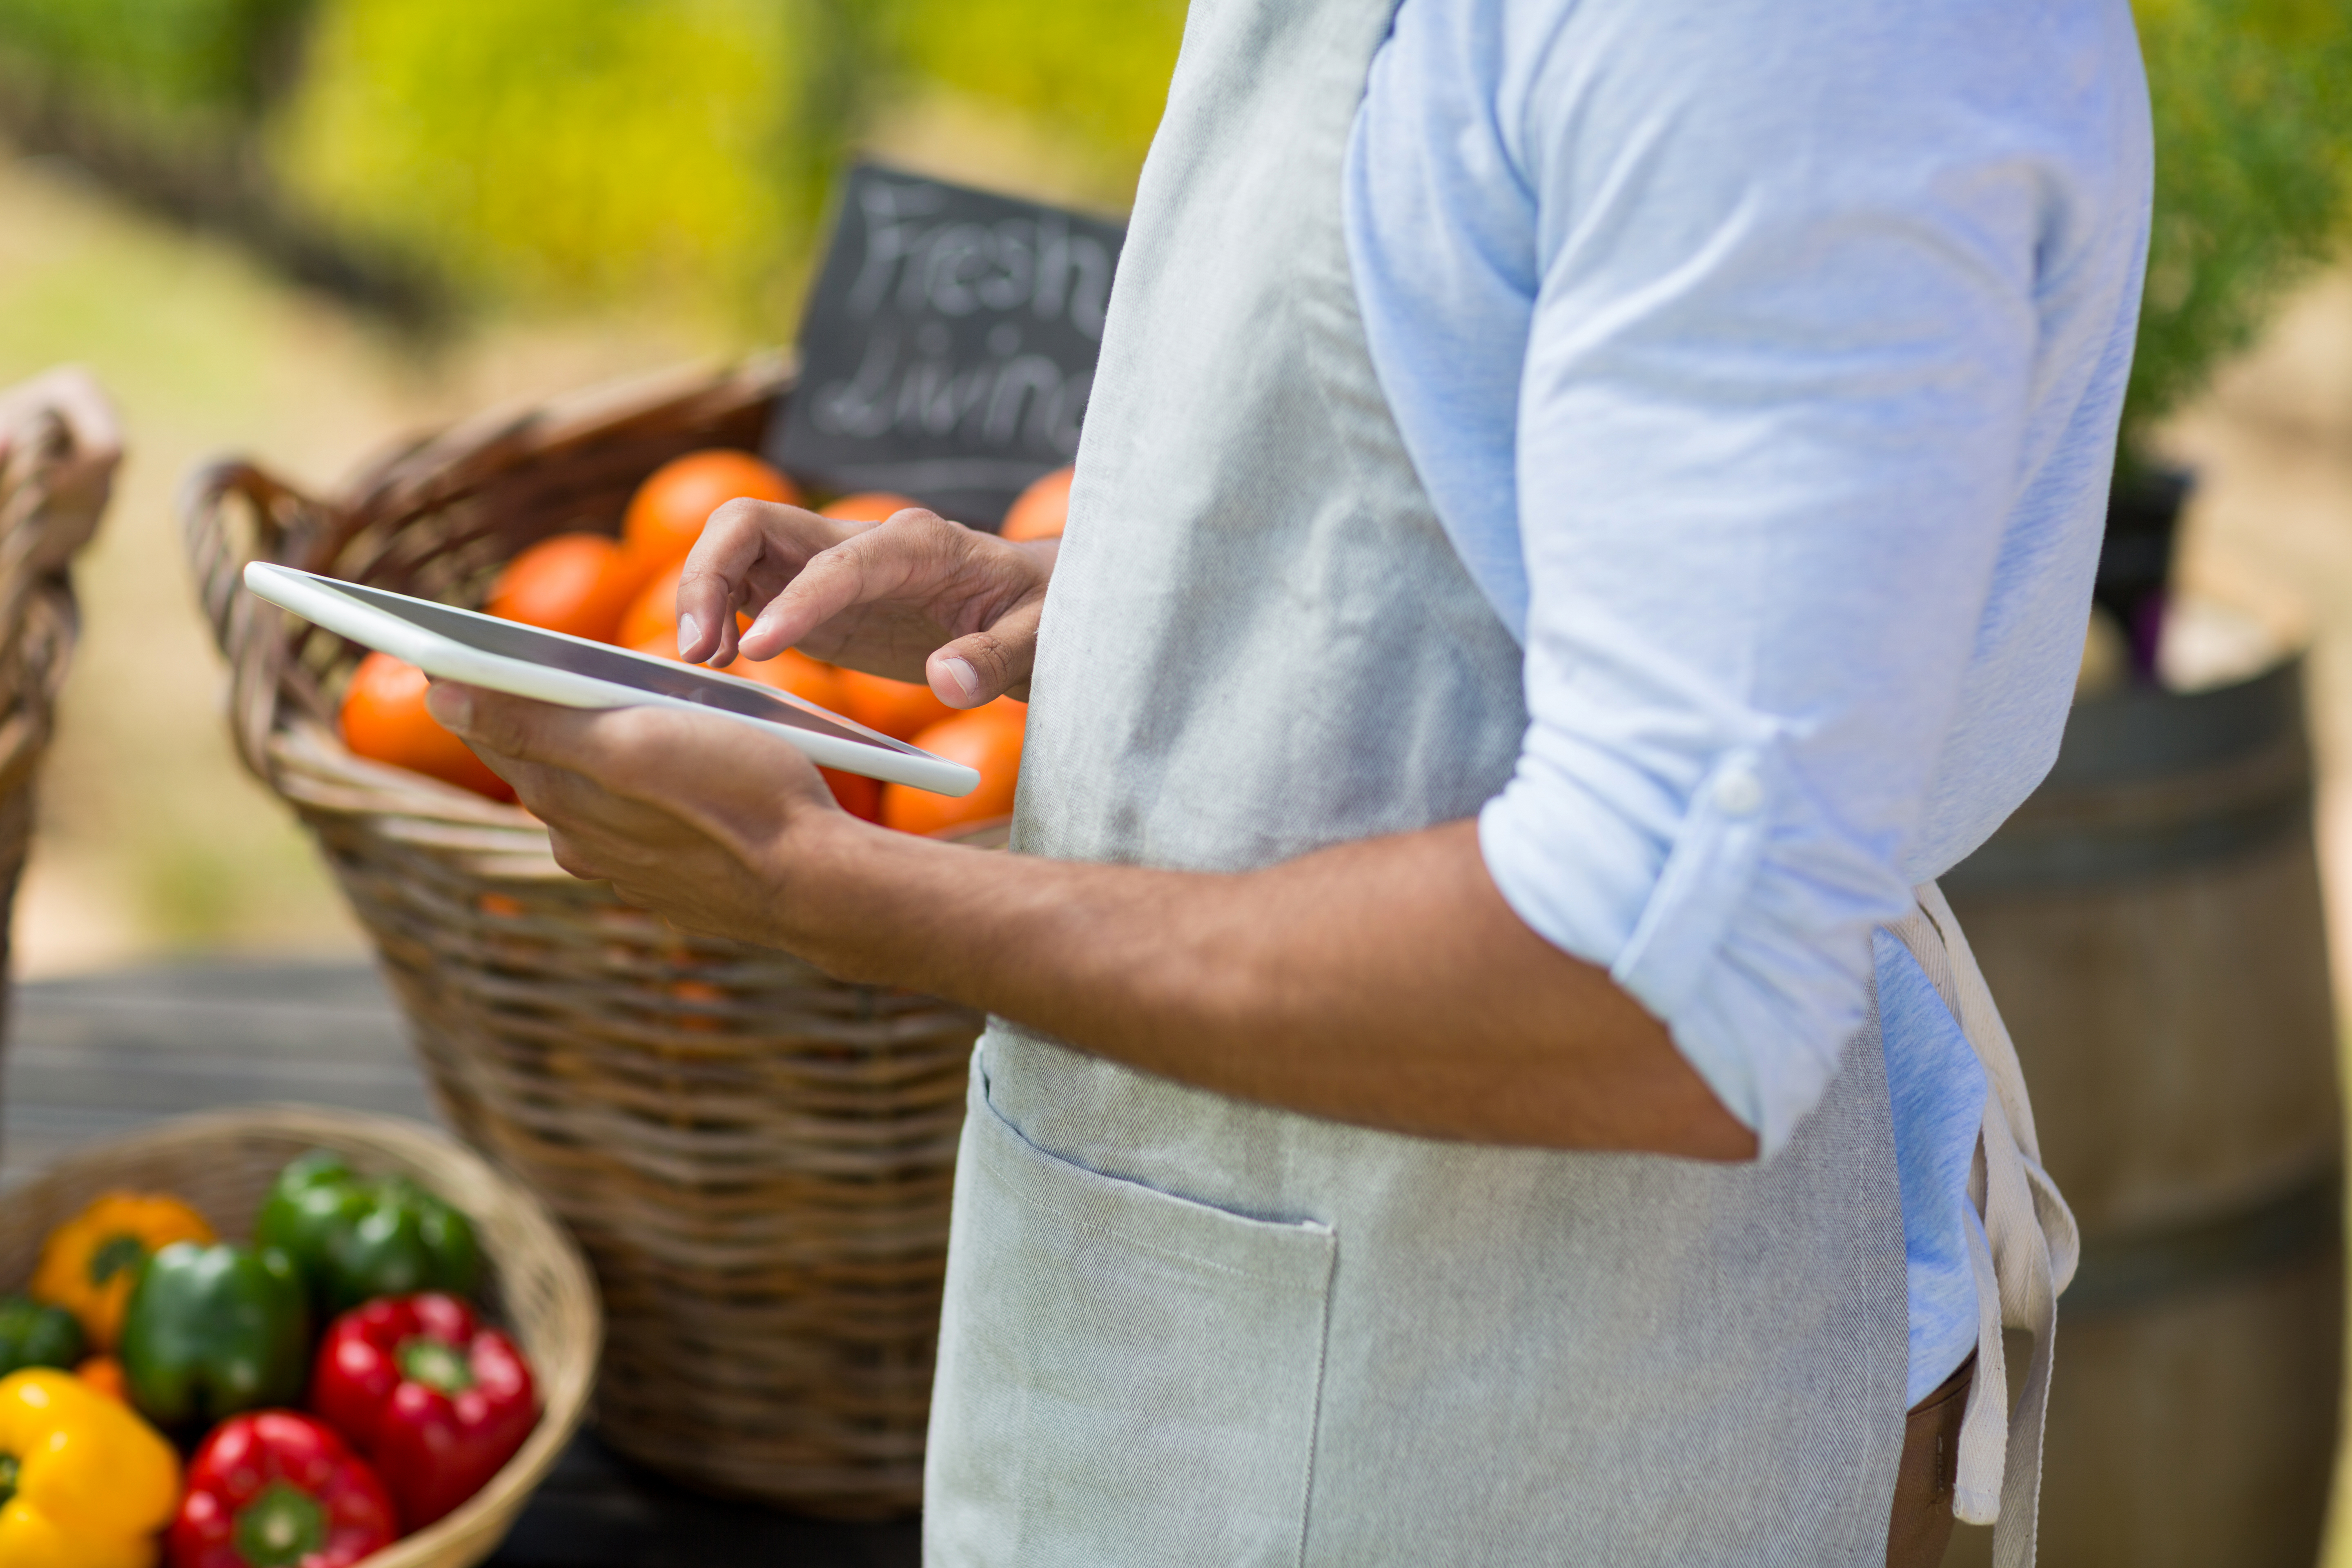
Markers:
<point>687,632</point>
<point>962,676</point>
<point>452,705</point>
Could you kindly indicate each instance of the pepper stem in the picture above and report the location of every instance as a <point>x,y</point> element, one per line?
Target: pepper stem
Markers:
<point>281,1526</point>
<point>9,1467</point>
<point>114,1255</point>
<point>436,1364</point>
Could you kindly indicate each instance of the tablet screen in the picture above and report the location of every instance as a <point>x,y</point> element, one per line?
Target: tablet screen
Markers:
<point>691,683</point>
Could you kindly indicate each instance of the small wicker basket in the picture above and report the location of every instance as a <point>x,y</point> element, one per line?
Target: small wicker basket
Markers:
<point>223,1162</point>
<point>58,454</point>
<point>757,1157</point>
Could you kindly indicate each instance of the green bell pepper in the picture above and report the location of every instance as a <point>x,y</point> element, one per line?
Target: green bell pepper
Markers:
<point>211,1330</point>
<point>34,1335</point>
<point>357,1237</point>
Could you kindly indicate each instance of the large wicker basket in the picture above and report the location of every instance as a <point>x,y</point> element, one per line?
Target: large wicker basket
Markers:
<point>57,453</point>
<point>223,1162</point>
<point>757,1157</point>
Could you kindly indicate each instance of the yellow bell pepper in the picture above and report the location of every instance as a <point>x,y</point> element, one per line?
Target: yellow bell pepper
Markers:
<point>89,1263</point>
<point>84,1483</point>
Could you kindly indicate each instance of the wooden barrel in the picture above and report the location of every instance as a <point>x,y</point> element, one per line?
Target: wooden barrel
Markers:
<point>2149,921</point>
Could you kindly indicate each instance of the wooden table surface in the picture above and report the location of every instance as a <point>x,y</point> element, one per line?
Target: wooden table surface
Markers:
<point>96,1055</point>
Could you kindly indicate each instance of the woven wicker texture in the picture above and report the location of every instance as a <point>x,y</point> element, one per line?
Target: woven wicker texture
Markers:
<point>757,1157</point>
<point>56,464</point>
<point>538,1285</point>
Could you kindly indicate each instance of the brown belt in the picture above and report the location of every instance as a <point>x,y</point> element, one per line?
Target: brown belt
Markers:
<point>1922,1524</point>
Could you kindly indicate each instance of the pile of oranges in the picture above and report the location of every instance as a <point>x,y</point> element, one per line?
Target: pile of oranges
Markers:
<point>624,591</point>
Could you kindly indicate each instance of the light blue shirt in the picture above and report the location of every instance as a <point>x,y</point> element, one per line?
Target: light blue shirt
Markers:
<point>1762,359</point>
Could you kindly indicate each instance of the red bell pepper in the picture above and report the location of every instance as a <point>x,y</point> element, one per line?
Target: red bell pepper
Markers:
<point>274,1489</point>
<point>436,1400</point>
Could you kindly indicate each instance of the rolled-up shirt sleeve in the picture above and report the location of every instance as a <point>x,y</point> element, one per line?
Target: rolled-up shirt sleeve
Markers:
<point>1768,436</point>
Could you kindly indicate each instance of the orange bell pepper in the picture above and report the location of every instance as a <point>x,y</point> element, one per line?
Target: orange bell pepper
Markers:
<point>88,1263</point>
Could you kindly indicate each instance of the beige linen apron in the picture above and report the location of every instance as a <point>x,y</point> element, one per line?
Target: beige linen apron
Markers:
<point>1184,1330</point>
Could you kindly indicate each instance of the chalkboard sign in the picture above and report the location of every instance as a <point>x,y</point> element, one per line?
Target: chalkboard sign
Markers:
<point>949,345</point>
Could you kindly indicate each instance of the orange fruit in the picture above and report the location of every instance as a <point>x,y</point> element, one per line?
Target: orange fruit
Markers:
<point>651,627</point>
<point>1040,511</point>
<point>575,582</point>
<point>652,616</point>
<point>661,644</point>
<point>667,514</point>
<point>986,738</point>
<point>384,719</point>
<point>896,707</point>
<point>857,795</point>
<point>866,506</point>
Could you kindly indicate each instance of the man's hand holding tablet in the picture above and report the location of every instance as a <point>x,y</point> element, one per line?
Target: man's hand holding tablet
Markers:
<point>689,790</point>
<point>450,644</point>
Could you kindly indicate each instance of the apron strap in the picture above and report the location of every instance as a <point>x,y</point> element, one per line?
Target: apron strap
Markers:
<point>2022,1243</point>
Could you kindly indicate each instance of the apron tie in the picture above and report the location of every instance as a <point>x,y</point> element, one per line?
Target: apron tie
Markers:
<point>2022,1243</point>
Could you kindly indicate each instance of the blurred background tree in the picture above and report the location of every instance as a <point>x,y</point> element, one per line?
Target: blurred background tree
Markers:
<point>556,154</point>
<point>157,63</point>
<point>564,153</point>
<point>553,150</point>
<point>2253,107</point>
<point>168,102</point>
<point>1095,70</point>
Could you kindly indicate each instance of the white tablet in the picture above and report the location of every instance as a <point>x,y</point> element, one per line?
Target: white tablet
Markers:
<point>450,644</point>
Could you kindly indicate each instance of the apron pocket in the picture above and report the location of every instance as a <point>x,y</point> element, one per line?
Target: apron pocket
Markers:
<point>1125,1377</point>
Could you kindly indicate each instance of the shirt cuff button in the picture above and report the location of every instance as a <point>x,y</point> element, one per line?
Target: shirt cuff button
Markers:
<point>1739,794</point>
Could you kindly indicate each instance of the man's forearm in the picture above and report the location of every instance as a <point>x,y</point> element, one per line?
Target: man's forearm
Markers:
<point>1384,983</point>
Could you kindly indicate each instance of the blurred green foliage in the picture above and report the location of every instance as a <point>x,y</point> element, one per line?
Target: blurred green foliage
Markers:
<point>2253,107</point>
<point>155,58</point>
<point>605,149</point>
<point>553,148</point>
<point>1093,70</point>
<point>562,153</point>
<point>571,151</point>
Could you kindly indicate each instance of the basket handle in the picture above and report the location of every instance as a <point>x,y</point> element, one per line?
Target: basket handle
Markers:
<point>61,443</point>
<point>257,639</point>
<point>60,446</point>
